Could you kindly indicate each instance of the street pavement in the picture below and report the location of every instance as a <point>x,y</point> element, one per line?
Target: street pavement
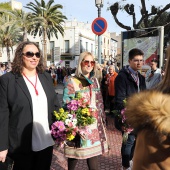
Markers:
<point>109,161</point>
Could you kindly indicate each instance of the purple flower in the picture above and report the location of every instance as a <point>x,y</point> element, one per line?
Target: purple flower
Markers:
<point>58,132</point>
<point>59,125</point>
<point>73,105</point>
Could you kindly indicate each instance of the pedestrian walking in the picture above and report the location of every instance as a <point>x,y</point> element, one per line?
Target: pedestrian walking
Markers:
<point>128,82</point>
<point>110,82</point>
<point>151,122</point>
<point>153,75</point>
<point>104,89</point>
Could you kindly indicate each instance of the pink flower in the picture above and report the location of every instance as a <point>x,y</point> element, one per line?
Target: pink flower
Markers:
<point>74,133</point>
<point>74,102</point>
<point>60,125</point>
<point>127,129</point>
<point>80,102</point>
<point>70,124</point>
<point>74,107</point>
<point>123,115</point>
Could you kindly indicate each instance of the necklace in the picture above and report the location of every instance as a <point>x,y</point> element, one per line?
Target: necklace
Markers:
<point>35,86</point>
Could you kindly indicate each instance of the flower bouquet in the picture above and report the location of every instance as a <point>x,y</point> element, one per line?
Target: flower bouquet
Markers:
<point>125,127</point>
<point>72,121</point>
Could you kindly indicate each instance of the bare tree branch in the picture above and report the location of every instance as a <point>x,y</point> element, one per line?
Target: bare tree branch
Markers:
<point>144,13</point>
<point>114,10</point>
<point>120,24</point>
<point>130,10</point>
<point>159,13</point>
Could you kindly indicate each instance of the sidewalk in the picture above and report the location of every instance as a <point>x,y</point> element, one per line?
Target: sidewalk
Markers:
<point>109,161</point>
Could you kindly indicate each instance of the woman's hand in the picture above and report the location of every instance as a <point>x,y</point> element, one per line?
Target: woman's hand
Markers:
<point>3,155</point>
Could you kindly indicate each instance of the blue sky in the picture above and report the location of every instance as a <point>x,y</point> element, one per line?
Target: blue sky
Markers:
<point>86,11</point>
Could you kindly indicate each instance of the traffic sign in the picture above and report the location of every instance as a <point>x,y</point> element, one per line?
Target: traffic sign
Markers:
<point>99,26</point>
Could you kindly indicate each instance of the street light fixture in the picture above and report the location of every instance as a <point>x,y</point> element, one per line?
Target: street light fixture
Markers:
<point>99,5</point>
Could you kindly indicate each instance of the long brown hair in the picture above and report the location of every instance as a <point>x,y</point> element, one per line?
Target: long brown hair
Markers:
<point>17,64</point>
<point>164,85</point>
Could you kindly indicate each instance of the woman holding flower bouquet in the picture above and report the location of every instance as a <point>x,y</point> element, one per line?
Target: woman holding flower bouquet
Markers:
<point>90,139</point>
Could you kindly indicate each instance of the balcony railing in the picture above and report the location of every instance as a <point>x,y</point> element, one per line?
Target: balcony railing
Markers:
<point>66,51</point>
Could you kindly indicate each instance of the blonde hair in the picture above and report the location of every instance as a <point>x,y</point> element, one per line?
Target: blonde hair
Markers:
<point>78,72</point>
<point>98,73</point>
<point>164,85</point>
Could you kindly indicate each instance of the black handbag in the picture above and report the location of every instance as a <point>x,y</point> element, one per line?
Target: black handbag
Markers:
<point>7,165</point>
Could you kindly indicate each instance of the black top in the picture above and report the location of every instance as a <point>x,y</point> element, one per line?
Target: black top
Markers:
<point>125,86</point>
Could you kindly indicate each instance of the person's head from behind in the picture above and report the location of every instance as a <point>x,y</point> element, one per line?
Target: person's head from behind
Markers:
<point>28,57</point>
<point>86,64</point>
<point>109,63</point>
<point>153,64</point>
<point>111,69</point>
<point>2,67</point>
<point>136,59</point>
<point>164,85</point>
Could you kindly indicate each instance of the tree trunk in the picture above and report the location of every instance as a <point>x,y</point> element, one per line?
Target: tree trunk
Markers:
<point>45,46</point>
<point>25,35</point>
<point>8,56</point>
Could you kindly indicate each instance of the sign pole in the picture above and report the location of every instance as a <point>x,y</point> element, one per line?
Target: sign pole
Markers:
<point>99,26</point>
<point>99,39</point>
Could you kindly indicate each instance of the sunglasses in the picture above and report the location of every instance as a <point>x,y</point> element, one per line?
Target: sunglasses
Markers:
<point>30,54</point>
<point>86,62</point>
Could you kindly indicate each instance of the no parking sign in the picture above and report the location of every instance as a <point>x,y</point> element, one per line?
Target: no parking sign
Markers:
<point>99,26</point>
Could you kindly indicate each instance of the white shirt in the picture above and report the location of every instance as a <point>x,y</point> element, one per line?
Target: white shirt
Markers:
<point>154,80</point>
<point>41,135</point>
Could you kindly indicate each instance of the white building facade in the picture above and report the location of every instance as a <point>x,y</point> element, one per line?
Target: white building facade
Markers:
<point>64,51</point>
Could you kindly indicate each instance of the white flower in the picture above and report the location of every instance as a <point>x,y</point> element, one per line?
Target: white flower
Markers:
<point>67,121</point>
<point>70,116</point>
<point>93,107</point>
<point>74,122</point>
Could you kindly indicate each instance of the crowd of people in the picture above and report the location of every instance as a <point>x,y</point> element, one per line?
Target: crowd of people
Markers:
<point>28,99</point>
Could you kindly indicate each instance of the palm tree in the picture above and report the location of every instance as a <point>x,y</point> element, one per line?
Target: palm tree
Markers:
<point>22,20</point>
<point>50,21</point>
<point>10,34</point>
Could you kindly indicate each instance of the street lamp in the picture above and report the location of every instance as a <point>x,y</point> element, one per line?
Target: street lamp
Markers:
<point>99,5</point>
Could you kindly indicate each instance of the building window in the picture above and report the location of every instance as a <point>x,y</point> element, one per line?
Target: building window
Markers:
<point>91,48</point>
<point>108,42</point>
<point>86,46</point>
<point>66,46</point>
<point>67,64</point>
<point>52,49</point>
<point>81,46</point>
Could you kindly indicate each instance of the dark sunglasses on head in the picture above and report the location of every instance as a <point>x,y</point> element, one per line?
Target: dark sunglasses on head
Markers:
<point>30,54</point>
<point>86,62</point>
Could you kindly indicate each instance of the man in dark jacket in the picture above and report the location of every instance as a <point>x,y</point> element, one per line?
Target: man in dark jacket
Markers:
<point>128,82</point>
